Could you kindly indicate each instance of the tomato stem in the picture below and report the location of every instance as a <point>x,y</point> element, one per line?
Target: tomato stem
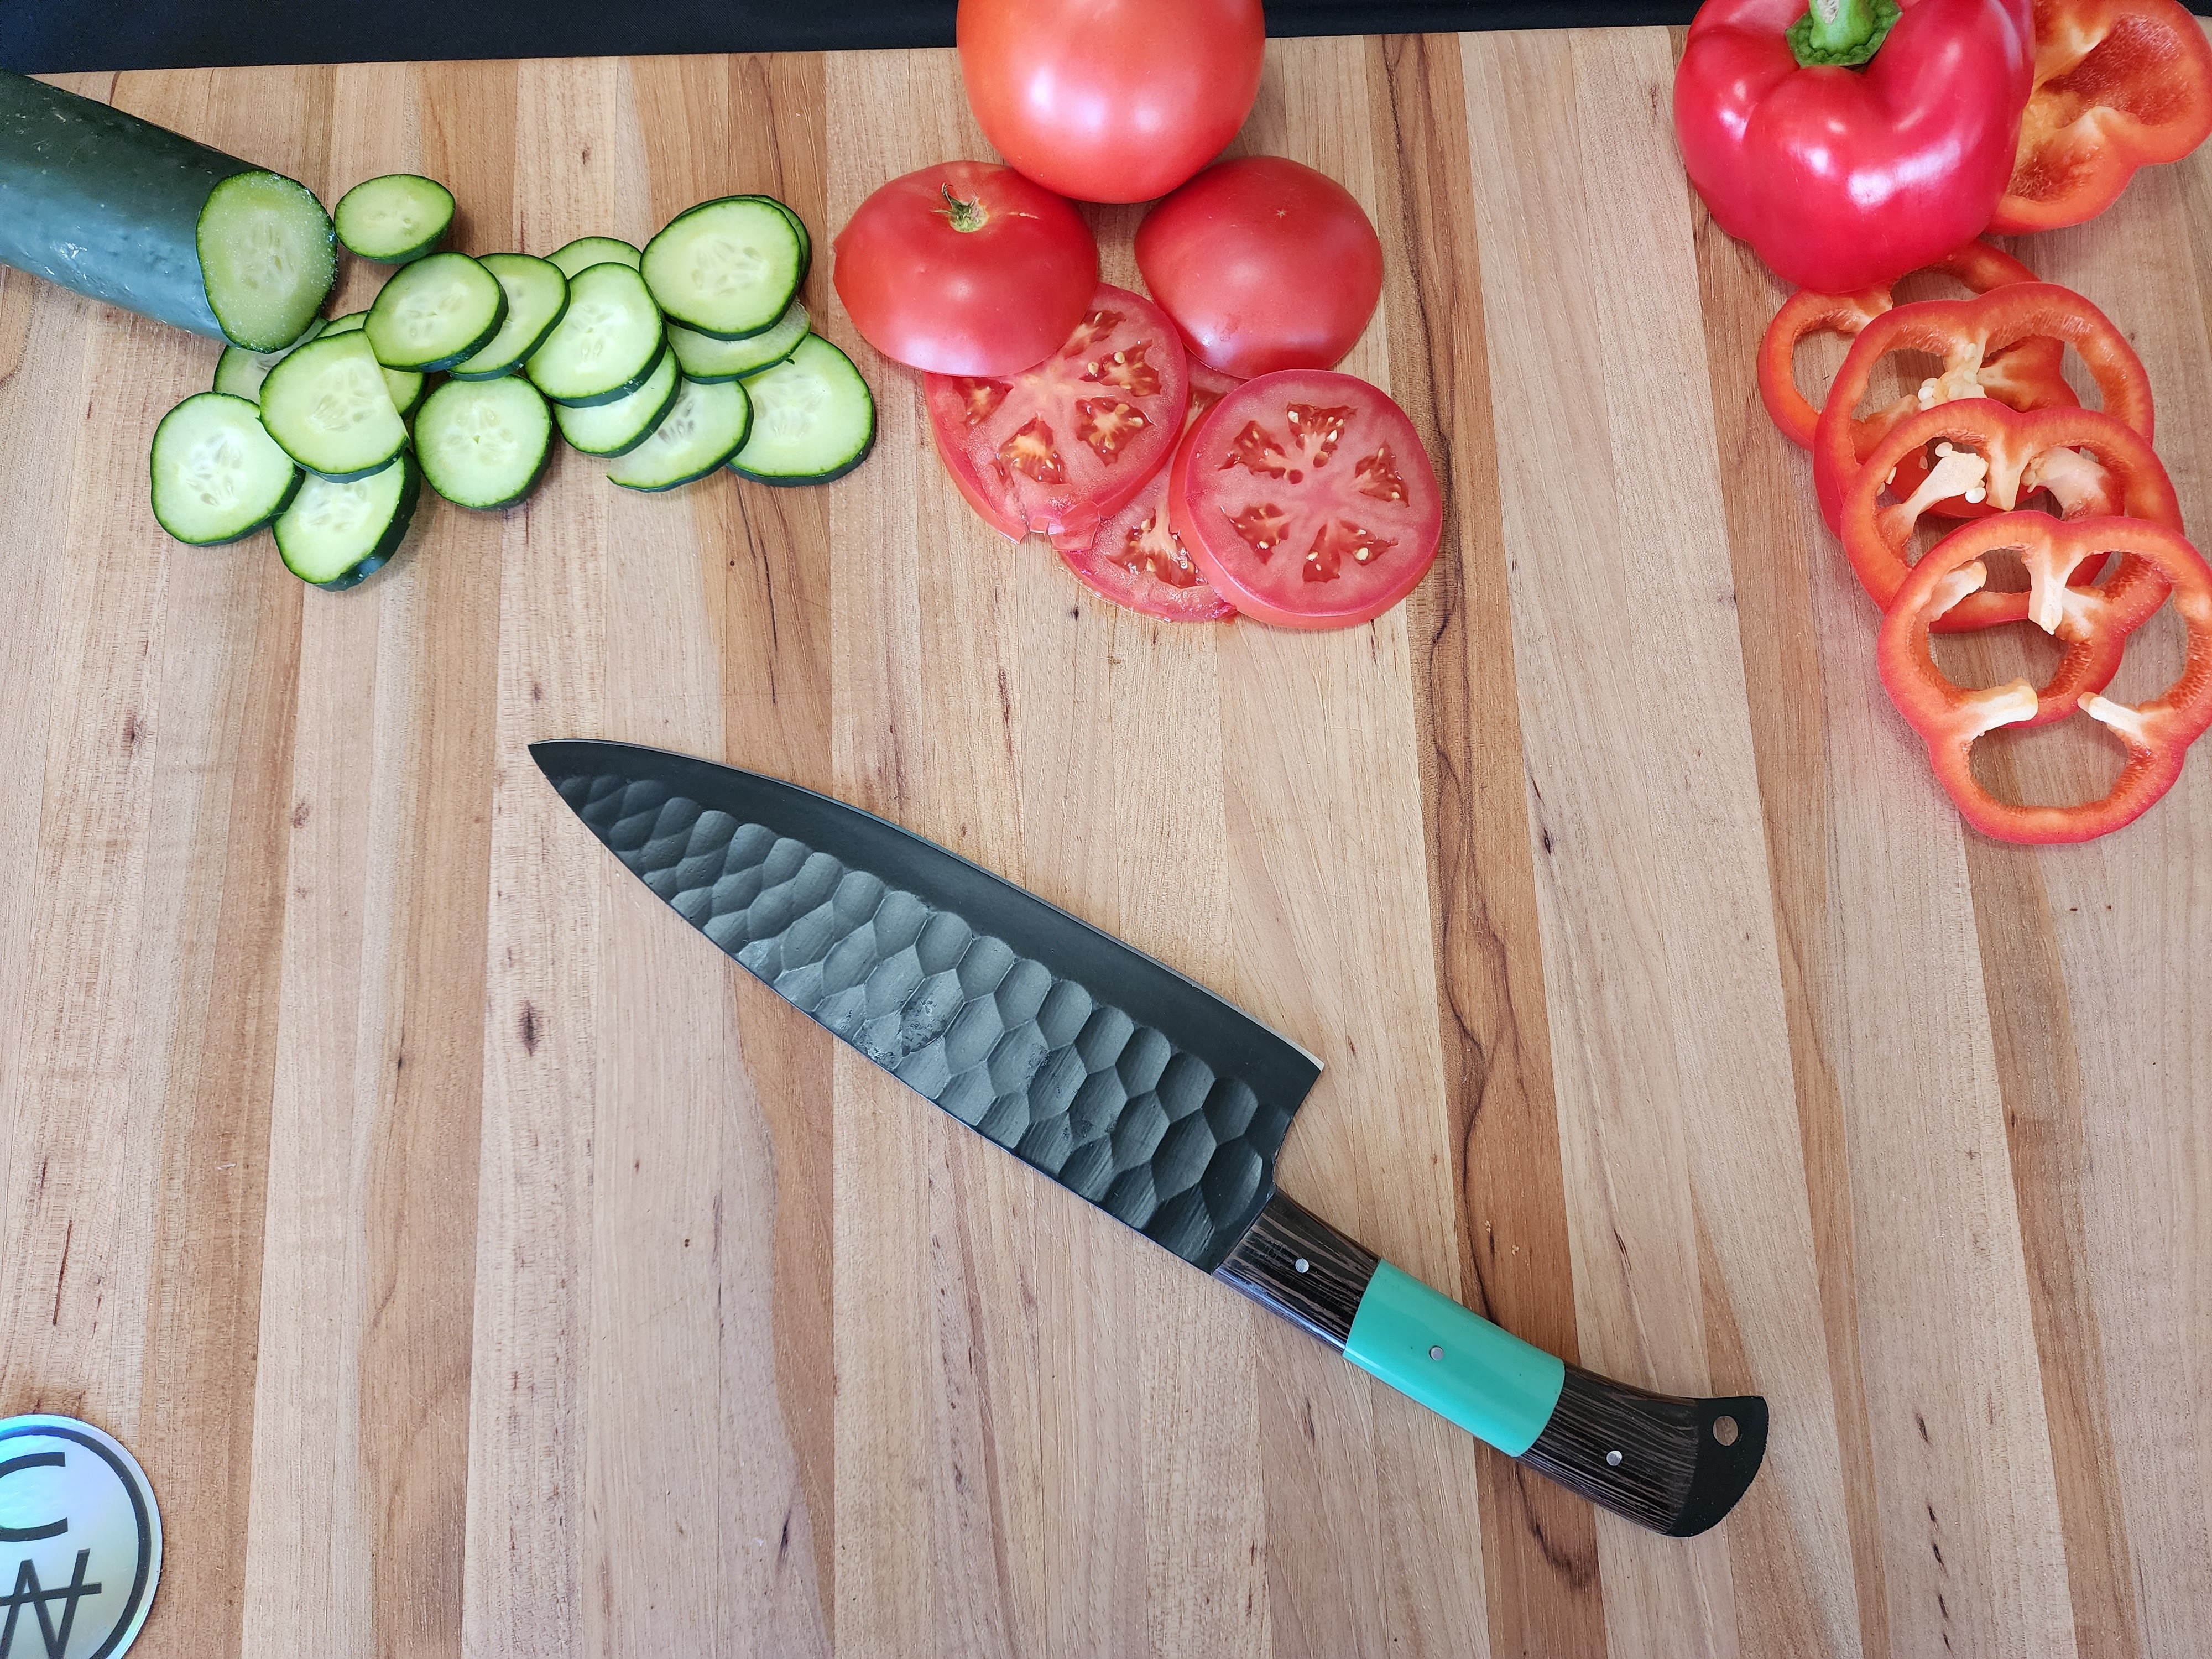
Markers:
<point>1841,34</point>
<point>964,215</point>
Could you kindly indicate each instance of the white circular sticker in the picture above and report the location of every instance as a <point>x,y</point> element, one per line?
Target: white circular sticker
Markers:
<point>80,1541</point>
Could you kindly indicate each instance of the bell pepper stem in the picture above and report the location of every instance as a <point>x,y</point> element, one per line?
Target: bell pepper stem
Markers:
<point>1839,25</point>
<point>1841,34</point>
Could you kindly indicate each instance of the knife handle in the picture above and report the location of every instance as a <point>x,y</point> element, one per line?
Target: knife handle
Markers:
<point>1673,1465</point>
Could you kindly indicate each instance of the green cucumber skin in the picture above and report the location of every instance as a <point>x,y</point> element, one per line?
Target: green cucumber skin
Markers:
<point>105,204</point>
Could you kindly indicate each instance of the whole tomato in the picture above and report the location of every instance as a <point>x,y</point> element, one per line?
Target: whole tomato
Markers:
<point>1265,264</point>
<point>1111,100</point>
<point>965,268</point>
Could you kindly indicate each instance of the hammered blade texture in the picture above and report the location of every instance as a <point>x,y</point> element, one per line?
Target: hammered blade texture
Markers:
<point>1028,1057</point>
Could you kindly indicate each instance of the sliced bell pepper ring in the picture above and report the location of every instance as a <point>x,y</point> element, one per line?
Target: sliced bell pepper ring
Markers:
<point>2032,363</point>
<point>1966,334</point>
<point>1986,451</point>
<point>2119,84</point>
<point>1948,718</point>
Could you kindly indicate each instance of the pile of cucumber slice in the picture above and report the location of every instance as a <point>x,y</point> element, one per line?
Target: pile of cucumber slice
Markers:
<point>667,363</point>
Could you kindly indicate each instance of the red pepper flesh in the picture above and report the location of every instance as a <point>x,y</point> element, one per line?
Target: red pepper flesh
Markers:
<point>2157,734</point>
<point>1845,178</point>
<point>2005,455</point>
<point>2119,84</point>
<point>1966,334</point>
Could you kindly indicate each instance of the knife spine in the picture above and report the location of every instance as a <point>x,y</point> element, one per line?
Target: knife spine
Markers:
<point>1294,1264</point>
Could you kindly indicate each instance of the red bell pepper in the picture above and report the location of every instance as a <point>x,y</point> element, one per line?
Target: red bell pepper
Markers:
<point>1983,449</point>
<point>1842,177</point>
<point>2119,84</point>
<point>1949,719</point>
<point>1966,334</point>
<point>2029,371</point>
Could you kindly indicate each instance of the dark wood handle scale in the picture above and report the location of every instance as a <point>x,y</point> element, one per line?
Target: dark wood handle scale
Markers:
<point>1673,1465</point>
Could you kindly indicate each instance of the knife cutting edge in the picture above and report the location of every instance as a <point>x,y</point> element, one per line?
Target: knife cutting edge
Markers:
<point>1127,1084</point>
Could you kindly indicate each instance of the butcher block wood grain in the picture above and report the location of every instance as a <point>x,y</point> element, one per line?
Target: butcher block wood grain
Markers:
<point>480,1264</point>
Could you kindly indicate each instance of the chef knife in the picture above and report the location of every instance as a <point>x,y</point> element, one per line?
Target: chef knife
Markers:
<point>1125,1083</point>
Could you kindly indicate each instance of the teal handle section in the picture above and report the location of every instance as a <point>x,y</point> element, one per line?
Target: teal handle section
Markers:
<point>1457,1363</point>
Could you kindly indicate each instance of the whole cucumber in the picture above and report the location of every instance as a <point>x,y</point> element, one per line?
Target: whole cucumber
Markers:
<point>109,205</point>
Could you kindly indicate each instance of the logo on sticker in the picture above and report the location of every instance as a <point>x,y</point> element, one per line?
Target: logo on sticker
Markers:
<point>80,1541</point>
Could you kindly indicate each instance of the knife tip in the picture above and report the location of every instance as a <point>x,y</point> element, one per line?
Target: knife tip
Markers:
<point>554,755</point>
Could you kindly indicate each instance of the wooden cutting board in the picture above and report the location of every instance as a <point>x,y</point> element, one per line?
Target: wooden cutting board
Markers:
<point>479,1264</point>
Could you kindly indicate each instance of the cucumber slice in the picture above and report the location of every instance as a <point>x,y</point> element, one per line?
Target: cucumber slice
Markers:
<point>435,313</point>
<point>217,475</point>
<point>265,255</point>
<point>707,426</point>
<point>580,255</point>
<point>705,358</point>
<point>334,535</point>
<point>327,405</point>
<point>484,444</point>
<point>727,268</point>
<point>608,342</point>
<point>537,297</point>
<point>617,428</point>
<point>814,420</point>
<point>405,384</point>
<point>240,373</point>
<point>395,219</point>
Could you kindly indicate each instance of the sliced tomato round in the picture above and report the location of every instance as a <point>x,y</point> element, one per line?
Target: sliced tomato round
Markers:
<point>1307,499</point>
<point>1139,562</point>
<point>1061,447</point>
